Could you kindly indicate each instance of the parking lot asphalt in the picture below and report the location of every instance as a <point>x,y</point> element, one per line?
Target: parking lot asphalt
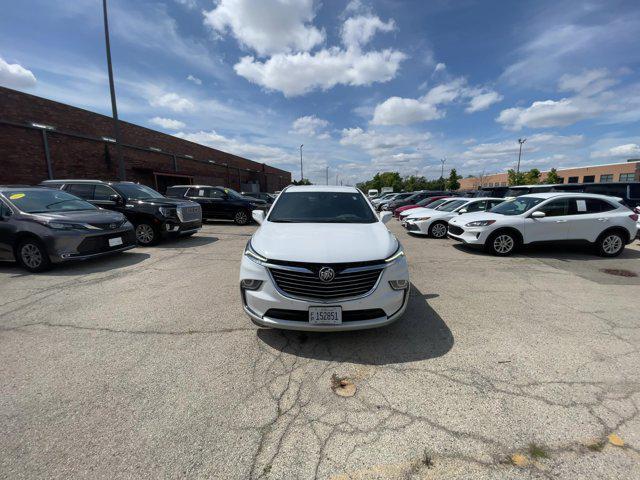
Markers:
<point>143,365</point>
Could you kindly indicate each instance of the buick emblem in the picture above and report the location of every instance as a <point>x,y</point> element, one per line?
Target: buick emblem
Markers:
<point>326,274</point>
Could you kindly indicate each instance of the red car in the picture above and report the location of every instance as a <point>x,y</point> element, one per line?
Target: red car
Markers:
<point>421,203</point>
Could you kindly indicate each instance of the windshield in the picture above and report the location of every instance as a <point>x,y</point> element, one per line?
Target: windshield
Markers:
<point>232,193</point>
<point>137,192</point>
<point>46,201</point>
<point>516,206</point>
<point>434,204</point>
<point>451,205</point>
<point>322,207</point>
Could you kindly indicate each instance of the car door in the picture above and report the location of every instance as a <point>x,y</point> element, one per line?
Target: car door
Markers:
<point>7,232</point>
<point>103,197</point>
<point>225,204</point>
<point>554,226</point>
<point>200,195</point>
<point>589,218</point>
<point>82,190</point>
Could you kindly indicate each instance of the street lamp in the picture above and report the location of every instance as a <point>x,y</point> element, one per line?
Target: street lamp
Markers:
<point>301,175</point>
<point>442,161</point>
<point>114,108</point>
<point>521,142</point>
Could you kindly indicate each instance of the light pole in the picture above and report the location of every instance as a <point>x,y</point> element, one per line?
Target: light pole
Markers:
<point>443,161</point>
<point>301,175</point>
<point>114,108</point>
<point>521,142</point>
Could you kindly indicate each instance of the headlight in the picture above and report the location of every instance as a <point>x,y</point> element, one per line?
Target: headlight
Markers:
<point>253,255</point>
<point>65,226</point>
<point>399,253</point>
<point>420,219</point>
<point>480,223</point>
<point>167,211</point>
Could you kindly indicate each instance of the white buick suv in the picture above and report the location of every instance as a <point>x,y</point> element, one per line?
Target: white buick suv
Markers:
<point>323,260</point>
<point>552,217</point>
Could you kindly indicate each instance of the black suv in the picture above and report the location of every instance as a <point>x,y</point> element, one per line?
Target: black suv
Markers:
<point>269,198</point>
<point>219,202</point>
<point>153,215</point>
<point>42,226</point>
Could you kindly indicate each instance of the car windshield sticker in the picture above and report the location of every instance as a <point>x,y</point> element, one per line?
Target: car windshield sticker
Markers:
<point>201,193</point>
<point>16,196</point>
<point>582,205</point>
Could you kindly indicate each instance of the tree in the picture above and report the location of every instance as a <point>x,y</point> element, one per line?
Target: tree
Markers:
<point>304,181</point>
<point>515,178</point>
<point>532,177</point>
<point>552,176</point>
<point>453,183</point>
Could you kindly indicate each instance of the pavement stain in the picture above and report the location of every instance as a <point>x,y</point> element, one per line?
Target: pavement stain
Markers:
<point>615,440</point>
<point>342,387</point>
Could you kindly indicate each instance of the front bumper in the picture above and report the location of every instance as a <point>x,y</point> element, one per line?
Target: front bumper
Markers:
<point>73,245</point>
<point>470,235</point>
<point>172,227</point>
<point>257,303</point>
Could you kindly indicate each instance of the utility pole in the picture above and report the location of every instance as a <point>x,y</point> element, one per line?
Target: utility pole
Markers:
<point>114,108</point>
<point>443,161</point>
<point>521,142</point>
<point>301,175</point>
<point>327,175</point>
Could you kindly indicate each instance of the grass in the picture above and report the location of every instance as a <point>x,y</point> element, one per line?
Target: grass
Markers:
<point>537,452</point>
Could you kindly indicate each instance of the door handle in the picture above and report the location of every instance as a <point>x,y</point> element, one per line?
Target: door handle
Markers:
<point>561,221</point>
<point>603,219</point>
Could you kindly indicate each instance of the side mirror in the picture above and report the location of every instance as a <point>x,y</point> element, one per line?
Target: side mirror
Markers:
<point>464,210</point>
<point>538,214</point>
<point>258,216</point>
<point>115,199</point>
<point>385,216</point>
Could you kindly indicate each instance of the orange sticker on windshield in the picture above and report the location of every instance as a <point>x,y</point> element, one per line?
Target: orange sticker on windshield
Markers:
<point>16,196</point>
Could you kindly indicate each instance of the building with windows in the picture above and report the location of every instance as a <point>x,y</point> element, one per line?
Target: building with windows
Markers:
<point>41,139</point>
<point>628,171</point>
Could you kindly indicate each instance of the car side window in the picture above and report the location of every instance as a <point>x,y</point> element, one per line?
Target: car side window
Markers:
<point>103,192</point>
<point>476,206</point>
<point>556,208</point>
<point>196,192</point>
<point>82,190</point>
<point>493,203</point>
<point>216,193</point>
<point>4,210</point>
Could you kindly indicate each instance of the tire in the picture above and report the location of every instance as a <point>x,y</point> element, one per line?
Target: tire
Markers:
<point>147,234</point>
<point>32,255</point>
<point>241,217</point>
<point>438,230</point>
<point>610,244</point>
<point>502,244</point>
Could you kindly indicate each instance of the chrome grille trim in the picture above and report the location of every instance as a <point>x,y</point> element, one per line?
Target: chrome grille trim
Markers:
<point>304,284</point>
<point>189,214</point>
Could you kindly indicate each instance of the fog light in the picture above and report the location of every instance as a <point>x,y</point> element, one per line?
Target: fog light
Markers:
<point>250,284</point>
<point>399,284</point>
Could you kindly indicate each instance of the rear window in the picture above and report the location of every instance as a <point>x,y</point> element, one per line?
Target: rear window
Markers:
<point>322,207</point>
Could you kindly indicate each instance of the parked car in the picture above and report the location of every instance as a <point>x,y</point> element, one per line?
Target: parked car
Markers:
<point>387,196</point>
<point>518,190</point>
<point>435,222</point>
<point>153,215</point>
<point>549,217</point>
<point>42,226</point>
<point>219,202</point>
<point>628,191</point>
<point>323,260</point>
<point>413,199</point>
<point>384,204</point>
<point>437,205</point>
<point>372,193</point>
<point>422,203</point>
<point>494,192</point>
<point>268,198</point>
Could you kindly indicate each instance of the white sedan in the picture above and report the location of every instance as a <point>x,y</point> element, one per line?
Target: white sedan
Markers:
<point>434,222</point>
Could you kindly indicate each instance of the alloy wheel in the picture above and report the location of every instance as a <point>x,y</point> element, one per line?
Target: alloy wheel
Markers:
<point>612,244</point>
<point>144,233</point>
<point>31,255</point>
<point>439,230</point>
<point>241,217</point>
<point>503,244</point>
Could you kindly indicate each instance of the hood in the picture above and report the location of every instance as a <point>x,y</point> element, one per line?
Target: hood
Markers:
<point>419,211</point>
<point>472,217</point>
<point>163,202</point>
<point>407,207</point>
<point>324,242</point>
<point>82,216</point>
<point>257,201</point>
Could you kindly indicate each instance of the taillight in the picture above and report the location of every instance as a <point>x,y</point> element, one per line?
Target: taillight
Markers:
<point>634,217</point>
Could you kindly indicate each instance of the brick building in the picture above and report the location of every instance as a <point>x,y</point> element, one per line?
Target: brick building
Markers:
<point>628,171</point>
<point>41,139</point>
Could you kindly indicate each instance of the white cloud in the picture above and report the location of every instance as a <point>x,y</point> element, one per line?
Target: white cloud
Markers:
<point>297,74</point>
<point>13,75</point>
<point>310,126</point>
<point>190,4</point>
<point>267,26</point>
<point>358,31</point>
<point>172,101</point>
<point>629,150</point>
<point>195,80</point>
<point>549,113</point>
<point>404,111</point>
<point>588,82</point>
<point>482,101</point>
<point>251,150</point>
<point>389,150</point>
<point>439,67</point>
<point>168,123</point>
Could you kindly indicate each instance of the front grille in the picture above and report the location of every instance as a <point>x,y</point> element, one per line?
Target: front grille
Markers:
<point>99,244</point>
<point>344,285</point>
<point>108,225</point>
<point>303,315</point>
<point>190,214</point>
<point>455,230</point>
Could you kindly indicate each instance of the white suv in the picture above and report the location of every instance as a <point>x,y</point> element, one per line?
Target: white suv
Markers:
<point>323,260</point>
<point>434,222</point>
<point>549,217</point>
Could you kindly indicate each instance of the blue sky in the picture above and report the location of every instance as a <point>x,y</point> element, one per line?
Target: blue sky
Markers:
<point>366,86</point>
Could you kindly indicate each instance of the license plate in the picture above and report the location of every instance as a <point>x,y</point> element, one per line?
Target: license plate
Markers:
<point>114,242</point>
<point>325,315</point>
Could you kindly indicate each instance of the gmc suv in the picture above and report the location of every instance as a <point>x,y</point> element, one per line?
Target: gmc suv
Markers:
<point>153,215</point>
